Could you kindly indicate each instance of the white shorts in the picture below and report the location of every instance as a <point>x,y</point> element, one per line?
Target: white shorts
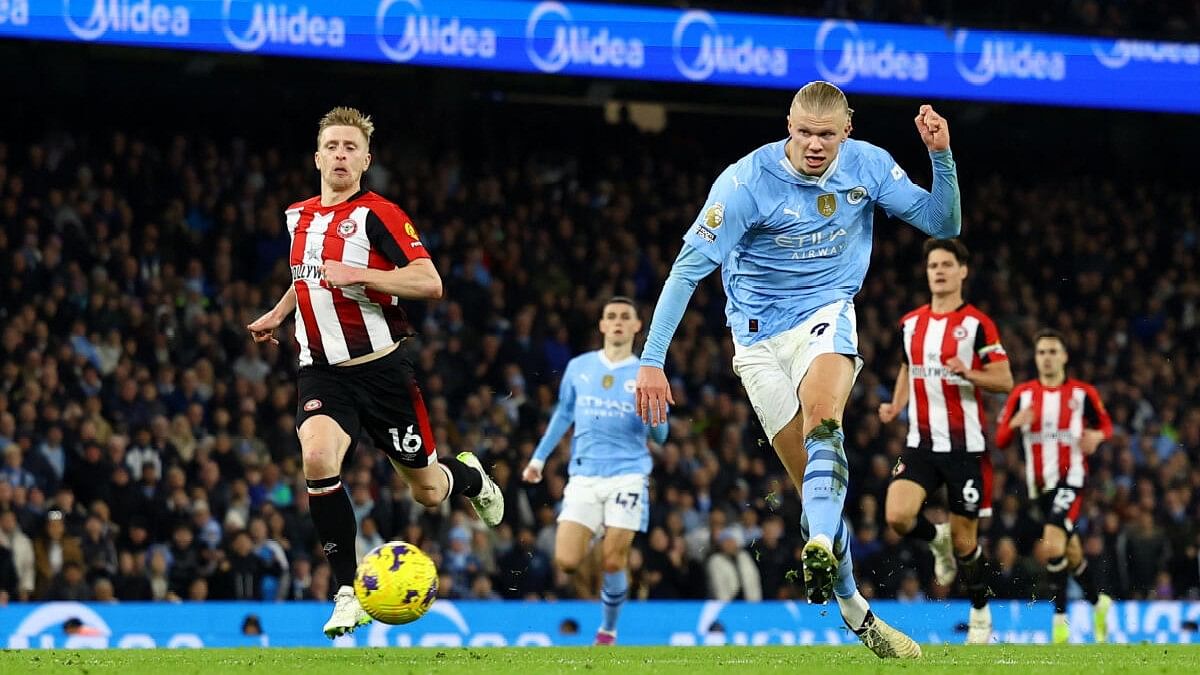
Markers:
<point>616,501</point>
<point>771,370</point>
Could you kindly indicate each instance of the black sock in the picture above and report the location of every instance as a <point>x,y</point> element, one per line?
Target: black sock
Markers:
<point>333,516</point>
<point>1057,567</point>
<point>973,569</point>
<point>1087,581</point>
<point>466,481</point>
<point>923,529</point>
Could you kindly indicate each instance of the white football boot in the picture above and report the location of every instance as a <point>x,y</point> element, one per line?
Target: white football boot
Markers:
<point>348,614</point>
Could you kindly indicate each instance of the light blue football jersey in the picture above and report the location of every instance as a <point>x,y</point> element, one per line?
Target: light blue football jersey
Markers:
<point>597,396</point>
<point>789,244</point>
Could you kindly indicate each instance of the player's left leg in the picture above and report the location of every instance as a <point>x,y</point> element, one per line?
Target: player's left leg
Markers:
<point>1082,571</point>
<point>1055,541</point>
<point>828,565</point>
<point>395,416</point>
<point>613,592</point>
<point>973,569</point>
<point>626,512</point>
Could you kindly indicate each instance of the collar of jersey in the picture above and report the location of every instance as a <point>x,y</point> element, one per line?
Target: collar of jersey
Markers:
<point>613,366</point>
<point>819,181</point>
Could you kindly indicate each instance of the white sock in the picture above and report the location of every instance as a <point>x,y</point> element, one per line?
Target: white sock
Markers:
<point>854,609</point>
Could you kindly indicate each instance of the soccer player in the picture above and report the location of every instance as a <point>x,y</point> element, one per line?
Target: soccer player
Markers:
<point>952,355</point>
<point>354,257</point>
<point>1062,422</point>
<point>610,463</point>
<point>791,225</point>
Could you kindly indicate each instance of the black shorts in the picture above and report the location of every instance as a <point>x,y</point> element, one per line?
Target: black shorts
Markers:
<point>1061,506</point>
<point>380,397</point>
<point>967,477</point>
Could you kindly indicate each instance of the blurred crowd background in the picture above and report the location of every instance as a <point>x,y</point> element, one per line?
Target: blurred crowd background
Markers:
<point>148,449</point>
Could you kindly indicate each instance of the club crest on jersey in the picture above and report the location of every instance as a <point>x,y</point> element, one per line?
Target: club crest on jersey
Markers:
<point>714,216</point>
<point>1073,404</point>
<point>856,195</point>
<point>827,204</point>
<point>311,405</point>
<point>347,228</point>
<point>960,333</point>
<point>607,382</point>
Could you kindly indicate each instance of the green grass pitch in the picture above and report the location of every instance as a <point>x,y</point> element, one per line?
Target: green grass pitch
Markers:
<point>1009,659</point>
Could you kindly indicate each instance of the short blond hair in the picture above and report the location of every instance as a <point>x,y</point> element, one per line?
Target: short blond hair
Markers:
<point>343,116</point>
<point>822,98</point>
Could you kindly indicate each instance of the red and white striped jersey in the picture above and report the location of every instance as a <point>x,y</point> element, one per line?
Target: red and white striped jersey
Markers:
<point>945,411</point>
<point>368,231</point>
<point>1051,439</point>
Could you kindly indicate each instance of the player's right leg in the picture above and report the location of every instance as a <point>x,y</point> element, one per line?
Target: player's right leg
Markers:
<point>323,445</point>
<point>912,479</point>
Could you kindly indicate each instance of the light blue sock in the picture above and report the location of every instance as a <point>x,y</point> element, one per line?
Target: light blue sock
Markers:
<point>612,596</point>
<point>845,586</point>
<point>825,479</point>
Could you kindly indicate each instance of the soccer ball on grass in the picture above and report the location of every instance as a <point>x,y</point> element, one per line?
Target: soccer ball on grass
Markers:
<point>396,583</point>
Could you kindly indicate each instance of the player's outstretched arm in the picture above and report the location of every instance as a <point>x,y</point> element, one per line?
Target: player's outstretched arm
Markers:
<point>938,212</point>
<point>653,390</point>
<point>263,328</point>
<point>560,423</point>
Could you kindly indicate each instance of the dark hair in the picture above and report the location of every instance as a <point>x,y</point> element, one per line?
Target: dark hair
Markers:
<point>1050,334</point>
<point>954,246</point>
<point>622,300</point>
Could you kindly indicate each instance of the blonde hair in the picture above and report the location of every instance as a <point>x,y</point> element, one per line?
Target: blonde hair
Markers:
<point>343,116</point>
<point>822,98</point>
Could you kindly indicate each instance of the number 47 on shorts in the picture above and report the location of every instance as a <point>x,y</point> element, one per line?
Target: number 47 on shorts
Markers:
<point>627,499</point>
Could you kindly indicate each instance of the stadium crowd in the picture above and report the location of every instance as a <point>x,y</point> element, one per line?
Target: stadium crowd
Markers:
<point>149,450</point>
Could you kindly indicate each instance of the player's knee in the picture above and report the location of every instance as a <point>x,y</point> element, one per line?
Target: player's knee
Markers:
<point>615,561</point>
<point>1054,549</point>
<point>816,413</point>
<point>566,563</point>
<point>900,520</point>
<point>964,542</point>
<point>429,496</point>
<point>319,461</point>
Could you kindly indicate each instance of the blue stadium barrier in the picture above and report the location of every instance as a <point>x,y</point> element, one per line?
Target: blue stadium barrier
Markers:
<point>475,623</point>
<point>646,43</point>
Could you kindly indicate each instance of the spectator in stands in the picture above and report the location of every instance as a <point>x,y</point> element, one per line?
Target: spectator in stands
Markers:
<point>731,571</point>
<point>21,549</point>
